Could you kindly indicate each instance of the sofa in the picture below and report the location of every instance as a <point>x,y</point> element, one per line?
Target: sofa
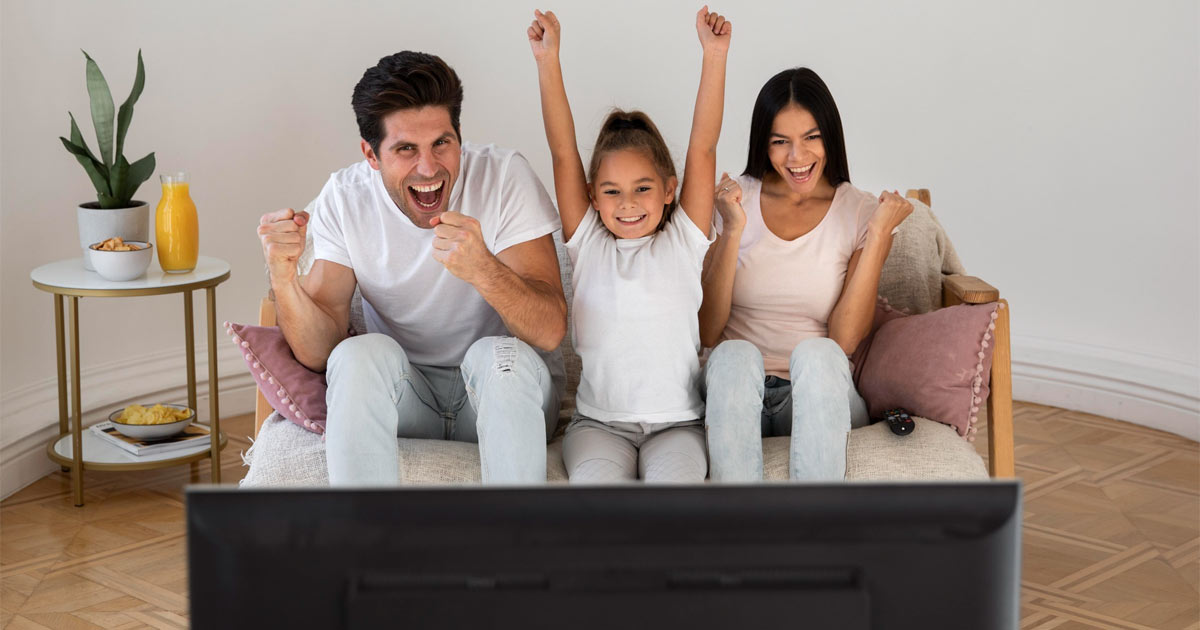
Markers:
<point>922,273</point>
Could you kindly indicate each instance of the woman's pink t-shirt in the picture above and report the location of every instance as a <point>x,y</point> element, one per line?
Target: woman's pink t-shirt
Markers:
<point>784,291</point>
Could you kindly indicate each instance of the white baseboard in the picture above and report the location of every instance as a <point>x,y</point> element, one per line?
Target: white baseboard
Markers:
<point>1138,388</point>
<point>30,414</point>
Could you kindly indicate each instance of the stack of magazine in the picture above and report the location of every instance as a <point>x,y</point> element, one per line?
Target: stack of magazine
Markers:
<point>190,437</point>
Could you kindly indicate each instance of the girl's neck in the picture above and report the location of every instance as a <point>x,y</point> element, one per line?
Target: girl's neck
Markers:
<point>774,186</point>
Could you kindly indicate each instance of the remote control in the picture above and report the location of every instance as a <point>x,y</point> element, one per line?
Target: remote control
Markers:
<point>899,421</point>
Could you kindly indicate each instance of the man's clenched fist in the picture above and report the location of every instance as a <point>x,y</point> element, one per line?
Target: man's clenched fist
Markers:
<point>282,234</point>
<point>458,244</point>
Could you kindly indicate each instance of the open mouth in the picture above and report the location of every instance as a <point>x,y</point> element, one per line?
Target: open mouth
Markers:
<point>802,174</point>
<point>632,220</point>
<point>427,197</point>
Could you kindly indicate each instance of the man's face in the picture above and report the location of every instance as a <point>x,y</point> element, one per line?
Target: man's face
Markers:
<point>418,159</point>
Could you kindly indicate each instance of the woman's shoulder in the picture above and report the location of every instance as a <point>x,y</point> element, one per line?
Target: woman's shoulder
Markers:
<point>854,203</point>
<point>750,184</point>
<point>854,197</point>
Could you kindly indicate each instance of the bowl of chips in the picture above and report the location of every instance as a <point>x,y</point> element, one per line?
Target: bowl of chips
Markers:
<point>151,423</point>
<point>119,260</point>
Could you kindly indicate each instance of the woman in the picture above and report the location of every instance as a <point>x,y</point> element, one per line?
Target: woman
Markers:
<point>790,287</point>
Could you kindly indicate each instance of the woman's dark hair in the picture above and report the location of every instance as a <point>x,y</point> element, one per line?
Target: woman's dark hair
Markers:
<point>634,130</point>
<point>405,80</point>
<point>802,87</point>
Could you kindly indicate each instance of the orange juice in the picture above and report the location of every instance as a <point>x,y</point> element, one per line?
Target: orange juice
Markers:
<point>176,226</point>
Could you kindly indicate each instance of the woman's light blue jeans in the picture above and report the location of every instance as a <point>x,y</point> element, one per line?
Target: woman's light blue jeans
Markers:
<point>502,397</point>
<point>818,407</point>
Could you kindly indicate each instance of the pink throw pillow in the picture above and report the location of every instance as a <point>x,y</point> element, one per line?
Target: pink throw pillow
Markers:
<point>295,391</point>
<point>936,365</point>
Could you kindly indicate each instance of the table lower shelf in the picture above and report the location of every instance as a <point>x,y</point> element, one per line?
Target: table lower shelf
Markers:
<point>100,455</point>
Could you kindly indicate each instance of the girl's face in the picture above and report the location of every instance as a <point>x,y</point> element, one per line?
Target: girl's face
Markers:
<point>629,194</point>
<point>796,150</point>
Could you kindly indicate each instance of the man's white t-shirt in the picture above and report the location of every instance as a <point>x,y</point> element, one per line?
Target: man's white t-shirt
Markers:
<point>407,295</point>
<point>635,321</point>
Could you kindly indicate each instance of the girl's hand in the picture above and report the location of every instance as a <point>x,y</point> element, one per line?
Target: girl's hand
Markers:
<point>714,31</point>
<point>893,210</point>
<point>728,200</point>
<point>544,35</point>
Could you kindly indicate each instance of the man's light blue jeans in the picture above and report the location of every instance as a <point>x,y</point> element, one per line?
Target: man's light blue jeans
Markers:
<point>818,407</point>
<point>502,397</point>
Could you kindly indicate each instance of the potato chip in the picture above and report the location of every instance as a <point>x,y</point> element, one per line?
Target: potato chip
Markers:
<point>158,414</point>
<point>116,244</point>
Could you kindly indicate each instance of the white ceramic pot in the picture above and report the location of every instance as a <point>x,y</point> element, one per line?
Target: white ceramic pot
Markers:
<point>96,224</point>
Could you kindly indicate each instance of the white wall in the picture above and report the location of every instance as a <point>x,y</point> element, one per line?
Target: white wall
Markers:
<point>1060,140</point>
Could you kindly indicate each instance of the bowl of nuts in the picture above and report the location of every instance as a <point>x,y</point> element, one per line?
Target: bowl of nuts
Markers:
<point>120,260</point>
<point>153,423</point>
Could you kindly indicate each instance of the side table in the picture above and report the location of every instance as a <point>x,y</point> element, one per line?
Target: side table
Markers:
<point>68,278</point>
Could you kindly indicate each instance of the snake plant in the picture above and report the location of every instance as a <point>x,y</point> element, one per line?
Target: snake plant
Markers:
<point>115,179</point>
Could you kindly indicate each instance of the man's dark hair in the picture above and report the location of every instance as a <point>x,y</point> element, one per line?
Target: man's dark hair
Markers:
<point>804,88</point>
<point>405,80</point>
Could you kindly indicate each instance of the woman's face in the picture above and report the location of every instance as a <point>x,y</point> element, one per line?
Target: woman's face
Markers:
<point>629,194</point>
<point>796,150</point>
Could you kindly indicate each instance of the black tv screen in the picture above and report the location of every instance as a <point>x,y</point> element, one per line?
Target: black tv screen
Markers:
<point>845,556</point>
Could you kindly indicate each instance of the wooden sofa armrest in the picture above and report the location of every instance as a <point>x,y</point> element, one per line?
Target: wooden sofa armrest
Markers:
<point>967,290</point>
<point>1001,456</point>
<point>920,194</point>
<point>266,312</point>
<point>960,289</point>
<point>262,409</point>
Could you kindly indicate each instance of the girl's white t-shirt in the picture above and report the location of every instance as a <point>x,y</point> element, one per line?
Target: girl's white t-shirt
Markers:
<point>434,315</point>
<point>634,315</point>
<point>784,291</point>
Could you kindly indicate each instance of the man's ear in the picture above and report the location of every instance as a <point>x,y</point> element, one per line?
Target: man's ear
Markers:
<point>672,184</point>
<point>369,153</point>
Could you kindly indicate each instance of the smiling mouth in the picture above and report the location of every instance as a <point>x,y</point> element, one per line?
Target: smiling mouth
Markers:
<point>630,220</point>
<point>427,197</point>
<point>802,174</point>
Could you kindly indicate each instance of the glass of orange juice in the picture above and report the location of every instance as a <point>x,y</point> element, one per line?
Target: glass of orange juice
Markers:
<point>175,225</point>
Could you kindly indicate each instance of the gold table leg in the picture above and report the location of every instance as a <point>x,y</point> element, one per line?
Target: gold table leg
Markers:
<point>77,428</point>
<point>190,351</point>
<point>214,412</point>
<point>60,356</point>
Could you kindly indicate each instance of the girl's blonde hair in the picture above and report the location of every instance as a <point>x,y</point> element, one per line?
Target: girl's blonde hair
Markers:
<point>634,130</point>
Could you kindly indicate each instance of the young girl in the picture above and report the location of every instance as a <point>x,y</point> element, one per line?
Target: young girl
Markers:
<point>637,273</point>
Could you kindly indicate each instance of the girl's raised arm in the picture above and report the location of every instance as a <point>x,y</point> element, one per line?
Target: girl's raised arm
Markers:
<point>700,168</point>
<point>570,181</point>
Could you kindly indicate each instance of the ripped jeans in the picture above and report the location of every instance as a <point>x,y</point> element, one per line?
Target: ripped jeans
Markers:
<point>502,396</point>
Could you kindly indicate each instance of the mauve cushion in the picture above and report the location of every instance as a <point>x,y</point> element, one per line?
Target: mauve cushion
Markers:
<point>936,365</point>
<point>295,391</point>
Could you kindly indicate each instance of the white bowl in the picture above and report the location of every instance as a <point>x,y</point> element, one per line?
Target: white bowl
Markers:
<point>152,431</point>
<point>122,266</point>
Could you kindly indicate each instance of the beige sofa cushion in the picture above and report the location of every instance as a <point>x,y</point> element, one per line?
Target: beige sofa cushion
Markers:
<point>285,455</point>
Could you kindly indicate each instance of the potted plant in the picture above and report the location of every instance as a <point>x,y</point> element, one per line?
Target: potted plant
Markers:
<point>115,212</point>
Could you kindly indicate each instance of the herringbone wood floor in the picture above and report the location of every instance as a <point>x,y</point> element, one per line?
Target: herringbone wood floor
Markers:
<point>1111,538</point>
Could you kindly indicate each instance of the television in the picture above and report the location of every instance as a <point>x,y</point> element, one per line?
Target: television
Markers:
<point>850,556</point>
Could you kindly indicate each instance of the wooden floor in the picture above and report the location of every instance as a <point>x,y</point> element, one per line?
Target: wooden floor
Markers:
<point>1111,537</point>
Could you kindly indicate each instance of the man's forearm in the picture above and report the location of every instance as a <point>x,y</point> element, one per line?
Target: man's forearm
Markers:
<point>309,330</point>
<point>534,311</point>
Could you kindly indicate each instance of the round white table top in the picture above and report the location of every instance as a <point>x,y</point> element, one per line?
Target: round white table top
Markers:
<point>68,277</point>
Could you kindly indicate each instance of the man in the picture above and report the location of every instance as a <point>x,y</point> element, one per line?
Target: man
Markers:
<point>449,244</point>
